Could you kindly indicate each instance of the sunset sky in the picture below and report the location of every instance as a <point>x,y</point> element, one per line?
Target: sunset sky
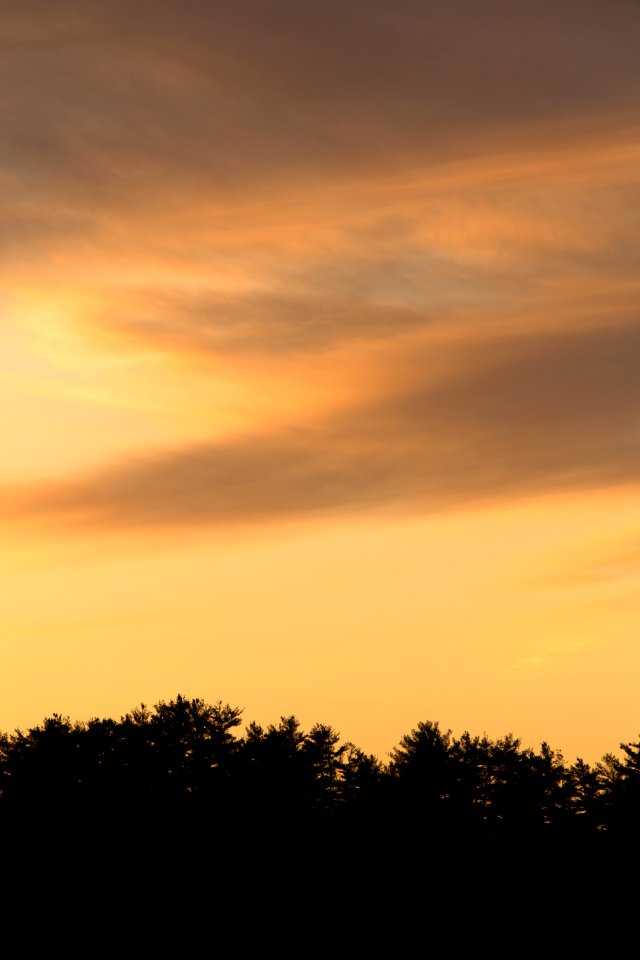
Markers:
<point>320,384</point>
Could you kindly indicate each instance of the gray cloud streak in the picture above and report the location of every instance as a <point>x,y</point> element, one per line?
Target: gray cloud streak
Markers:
<point>535,414</point>
<point>104,99</point>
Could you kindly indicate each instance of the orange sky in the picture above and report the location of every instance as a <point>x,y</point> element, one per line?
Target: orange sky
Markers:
<point>321,356</point>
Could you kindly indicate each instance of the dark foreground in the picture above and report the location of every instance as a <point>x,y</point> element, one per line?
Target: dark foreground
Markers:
<point>165,829</point>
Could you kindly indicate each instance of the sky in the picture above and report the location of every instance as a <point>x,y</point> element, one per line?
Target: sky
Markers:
<point>320,349</point>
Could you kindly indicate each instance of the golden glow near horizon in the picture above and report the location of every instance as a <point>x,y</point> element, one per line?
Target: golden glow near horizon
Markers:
<point>320,364</point>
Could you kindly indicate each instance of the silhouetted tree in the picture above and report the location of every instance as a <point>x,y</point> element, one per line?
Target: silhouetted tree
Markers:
<point>586,802</point>
<point>323,756</point>
<point>526,789</point>
<point>423,777</point>
<point>473,779</point>
<point>621,794</point>
<point>179,765</point>
<point>273,771</point>
<point>42,768</point>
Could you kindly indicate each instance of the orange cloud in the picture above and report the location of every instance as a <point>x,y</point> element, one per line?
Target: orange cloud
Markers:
<point>285,200</point>
<point>518,416</point>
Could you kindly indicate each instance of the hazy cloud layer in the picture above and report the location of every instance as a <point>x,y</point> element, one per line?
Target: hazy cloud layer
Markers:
<point>274,175</point>
<point>255,180</point>
<point>520,417</point>
<point>101,98</point>
<point>302,272</point>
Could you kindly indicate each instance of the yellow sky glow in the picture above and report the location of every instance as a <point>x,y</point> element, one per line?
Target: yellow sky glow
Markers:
<point>319,388</point>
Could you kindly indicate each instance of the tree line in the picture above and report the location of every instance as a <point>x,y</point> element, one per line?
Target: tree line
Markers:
<point>184,759</point>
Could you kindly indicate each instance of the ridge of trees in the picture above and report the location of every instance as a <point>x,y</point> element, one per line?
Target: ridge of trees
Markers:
<point>185,756</point>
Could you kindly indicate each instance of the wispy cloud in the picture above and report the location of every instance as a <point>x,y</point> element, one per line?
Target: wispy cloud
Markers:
<point>517,416</point>
<point>455,184</point>
<point>601,564</point>
<point>549,653</point>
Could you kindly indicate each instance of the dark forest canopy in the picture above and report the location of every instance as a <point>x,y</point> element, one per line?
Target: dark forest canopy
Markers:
<point>185,756</point>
